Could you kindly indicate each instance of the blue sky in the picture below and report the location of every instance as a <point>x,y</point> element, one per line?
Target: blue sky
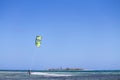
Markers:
<point>76,33</point>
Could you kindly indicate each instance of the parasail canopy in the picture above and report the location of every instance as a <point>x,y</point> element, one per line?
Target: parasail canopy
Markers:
<point>38,41</point>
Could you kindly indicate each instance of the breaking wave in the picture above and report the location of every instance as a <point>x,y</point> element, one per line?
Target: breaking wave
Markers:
<point>49,74</point>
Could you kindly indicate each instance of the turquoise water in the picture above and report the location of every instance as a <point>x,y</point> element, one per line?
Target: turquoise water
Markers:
<point>60,75</point>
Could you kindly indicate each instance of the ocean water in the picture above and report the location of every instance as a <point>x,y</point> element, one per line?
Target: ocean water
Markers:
<point>60,75</point>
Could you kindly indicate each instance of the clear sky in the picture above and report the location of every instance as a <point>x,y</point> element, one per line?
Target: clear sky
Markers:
<point>76,33</point>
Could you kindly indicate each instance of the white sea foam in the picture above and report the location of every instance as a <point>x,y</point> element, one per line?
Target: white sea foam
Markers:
<point>49,74</point>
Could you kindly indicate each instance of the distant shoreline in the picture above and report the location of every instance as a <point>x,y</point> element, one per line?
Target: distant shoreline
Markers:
<point>62,70</point>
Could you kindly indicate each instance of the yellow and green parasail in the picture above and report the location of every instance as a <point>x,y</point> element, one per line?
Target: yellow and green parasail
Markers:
<point>38,41</point>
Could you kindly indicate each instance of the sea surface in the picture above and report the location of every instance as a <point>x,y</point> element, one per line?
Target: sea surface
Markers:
<point>60,75</point>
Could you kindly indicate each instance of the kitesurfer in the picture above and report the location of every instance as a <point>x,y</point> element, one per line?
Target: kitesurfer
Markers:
<point>29,72</point>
